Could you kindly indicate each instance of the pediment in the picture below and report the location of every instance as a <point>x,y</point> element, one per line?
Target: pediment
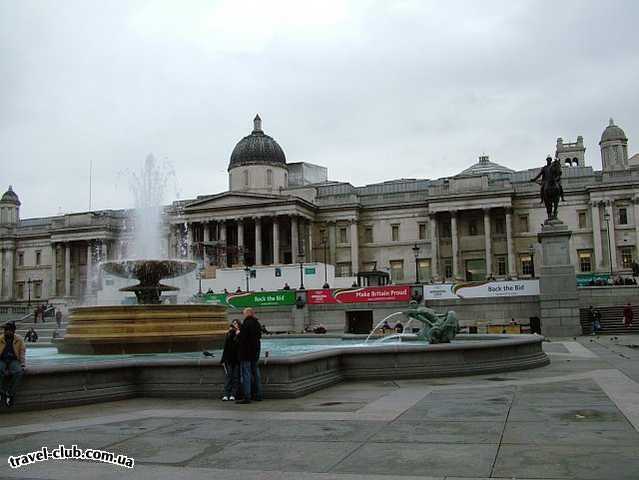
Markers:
<point>233,199</point>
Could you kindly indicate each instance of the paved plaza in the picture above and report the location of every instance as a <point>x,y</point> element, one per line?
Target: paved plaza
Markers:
<point>575,419</point>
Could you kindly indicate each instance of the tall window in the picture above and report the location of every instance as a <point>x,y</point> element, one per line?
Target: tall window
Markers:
<point>626,257</point>
<point>583,219</point>
<point>343,235</point>
<point>269,177</point>
<point>344,269</point>
<point>368,235</point>
<point>423,264</point>
<point>501,266</point>
<point>526,264</point>
<point>623,216</point>
<point>446,230</point>
<point>37,289</point>
<point>38,257</point>
<point>395,233</point>
<point>20,259</point>
<point>20,289</point>
<point>500,226</point>
<point>369,266</point>
<point>422,231</point>
<point>523,223</point>
<point>472,227</point>
<point>448,267</point>
<point>585,261</point>
<point>397,270</point>
<point>246,178</point>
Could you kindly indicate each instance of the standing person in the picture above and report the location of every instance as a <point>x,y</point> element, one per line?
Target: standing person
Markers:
<point>627,316</point>
<point>58,317</point>
<point>12,363</point>
<point>249,354</point>
<point>231,362</point>
<point>596,320</point>
<point>36,314</point>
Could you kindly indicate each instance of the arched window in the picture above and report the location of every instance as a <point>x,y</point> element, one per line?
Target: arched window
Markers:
<point>269,177</point>
<point>246,178</point>
<point>286,180</point>
<point>568,162</point>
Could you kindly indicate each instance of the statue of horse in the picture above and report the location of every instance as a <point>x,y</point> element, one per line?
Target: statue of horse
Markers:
<point>550,197</point>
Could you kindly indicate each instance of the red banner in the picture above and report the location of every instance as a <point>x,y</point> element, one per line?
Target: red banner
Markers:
<point>358,295</point>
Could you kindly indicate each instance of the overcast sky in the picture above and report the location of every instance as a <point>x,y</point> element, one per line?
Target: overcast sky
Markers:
<point>373,90</point>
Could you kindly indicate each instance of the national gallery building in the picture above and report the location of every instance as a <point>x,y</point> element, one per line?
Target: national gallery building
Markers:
<point>481,223</point>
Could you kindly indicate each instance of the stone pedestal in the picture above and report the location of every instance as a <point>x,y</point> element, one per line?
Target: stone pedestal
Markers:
<point>559,301</point>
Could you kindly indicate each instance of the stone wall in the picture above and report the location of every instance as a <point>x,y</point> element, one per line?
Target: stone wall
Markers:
<point>608,296</point>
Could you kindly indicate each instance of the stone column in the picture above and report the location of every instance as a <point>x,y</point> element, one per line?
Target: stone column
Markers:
<point>354,248</point>
<point>636,219</point>
<point>596,236</point>
<point>512,271</point>
<point>240,240</point>
<point>332,242</point>
<point>54,271</point>
<point>67,269</point>
<point>207,239</point>
<point>295,239</point>
<point>105,250</point>
<point>10,256</point>
<point>613,246</point>
<point>222,240</point>
<point>189,241</point>
<point>89,266</point>
<point>276,241</point>
<point>258,241</point>
<point>455,243</point>
<point>309,251</point>
<point>488,243</point>
<point>434,247</point>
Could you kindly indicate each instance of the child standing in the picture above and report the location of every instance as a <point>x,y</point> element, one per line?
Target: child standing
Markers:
<point>231,362</point>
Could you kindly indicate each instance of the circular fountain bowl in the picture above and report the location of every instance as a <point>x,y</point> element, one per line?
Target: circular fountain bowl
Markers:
<point>128,329</point>
<point>148,268</point>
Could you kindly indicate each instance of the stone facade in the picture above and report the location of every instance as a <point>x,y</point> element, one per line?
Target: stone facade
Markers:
<point>481,223</point>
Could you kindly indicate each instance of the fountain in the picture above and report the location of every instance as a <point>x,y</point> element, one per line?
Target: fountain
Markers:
<point>151,326</point>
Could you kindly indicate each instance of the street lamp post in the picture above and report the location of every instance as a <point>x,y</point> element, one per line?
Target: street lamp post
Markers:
<point>300,256</point>
<point>416,252</point>
<point>199,279</point>
<point>531,249</point>
<point>326,285</point>
<point>247,271</point>
<point>29,282</point>
<point>607,220</point>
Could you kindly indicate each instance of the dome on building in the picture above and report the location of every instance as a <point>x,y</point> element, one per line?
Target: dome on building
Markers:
<point>484,167</point>
<point>613,132</point>
<point>257,149</point>
<point>10,197</point>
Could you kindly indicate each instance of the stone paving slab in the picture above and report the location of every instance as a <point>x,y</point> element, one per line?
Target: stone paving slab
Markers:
<point>408,458</point>
<point>164,449</point>
<point>29,443</point>
<point>574,433</point>
<point>457,410</point>
<point>292,456</point>
<point>218,430</point>
<point>553,461</point>
<point>342,431</point>
<point>439,432</point>
<point>566,413</point>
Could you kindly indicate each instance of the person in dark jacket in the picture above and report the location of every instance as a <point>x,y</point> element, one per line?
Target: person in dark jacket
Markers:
<point>249,354</point>
<point>231,362</point>
<point>627,316</point>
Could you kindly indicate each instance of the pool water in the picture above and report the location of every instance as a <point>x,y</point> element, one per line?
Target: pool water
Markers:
<point>281,347</point>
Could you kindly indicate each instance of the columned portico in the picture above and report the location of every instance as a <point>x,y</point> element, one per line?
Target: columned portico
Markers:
<point>240,241</point>
<point>611,226</point>
<point>434,247</point>
<point>53,289</point>
<point>295,239</point>
<point>596,235</point>
<point>354,248</point>
<point>488,245</point>
<point>89,266</point>
<point>509,243</point>
<point>221,231</point>
<point>67,269</point>
<point>454,243</point>
<point>276,241</point>
<point>258,241</point>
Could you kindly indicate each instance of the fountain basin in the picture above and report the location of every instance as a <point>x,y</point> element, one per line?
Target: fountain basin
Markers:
<point>130,329</point>
<point>94,379</point>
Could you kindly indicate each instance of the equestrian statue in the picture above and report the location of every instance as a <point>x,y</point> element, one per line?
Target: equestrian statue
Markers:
<point>551,189</point>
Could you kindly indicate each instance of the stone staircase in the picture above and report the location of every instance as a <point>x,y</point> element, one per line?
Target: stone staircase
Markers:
<point>44,329</point>
<point>611,321</point>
